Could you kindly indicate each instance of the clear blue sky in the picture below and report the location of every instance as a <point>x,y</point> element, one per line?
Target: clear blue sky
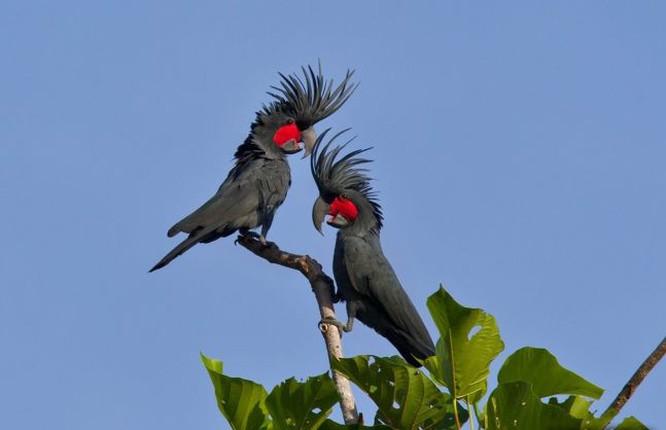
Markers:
<point>520,155</point>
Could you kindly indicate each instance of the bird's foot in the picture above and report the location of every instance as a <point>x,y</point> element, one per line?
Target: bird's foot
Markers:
<point>254,235</point>
<point>342,328</point>
<point>250,233</point>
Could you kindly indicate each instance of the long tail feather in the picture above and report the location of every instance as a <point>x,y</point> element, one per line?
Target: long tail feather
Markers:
<point>194,238</point>
<point>182,247</point>
<point>410,347</point>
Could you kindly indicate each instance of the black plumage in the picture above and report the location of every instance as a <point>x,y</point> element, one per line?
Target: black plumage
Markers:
<point>260,178</point>
<point>364,277</point>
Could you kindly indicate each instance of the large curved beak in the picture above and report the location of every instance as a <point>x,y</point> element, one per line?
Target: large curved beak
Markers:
<point>291,147</point>
<point>309,137</point>
<point>319,212</point>
<point>338,221</point>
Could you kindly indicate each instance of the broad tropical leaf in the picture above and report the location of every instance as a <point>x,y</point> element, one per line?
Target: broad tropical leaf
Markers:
<point>589,421</point>
<point>631,423</point>
<point>239,400</point>
<point>515,406</point>
<point>406,398</point>
<point>540,368</point>
<point>576,406</point>
<point>579,407</point>
<point>301,405</point>
<point>462,362</point>
<point>332,425</point>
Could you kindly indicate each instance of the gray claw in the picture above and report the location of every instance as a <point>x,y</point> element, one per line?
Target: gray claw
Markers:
<point>332,321</point>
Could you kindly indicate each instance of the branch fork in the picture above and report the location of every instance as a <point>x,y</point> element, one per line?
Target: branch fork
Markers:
<point>323,289</point>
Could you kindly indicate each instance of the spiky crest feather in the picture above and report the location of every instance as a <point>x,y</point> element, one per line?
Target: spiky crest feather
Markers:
<point>336,177</point>
<point>309,100</point>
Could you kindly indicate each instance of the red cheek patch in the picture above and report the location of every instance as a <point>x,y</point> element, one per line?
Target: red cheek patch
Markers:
<point>286,133</point>
<point>344,207</point>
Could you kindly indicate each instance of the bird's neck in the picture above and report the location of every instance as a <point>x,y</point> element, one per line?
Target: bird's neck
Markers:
<point>259,144</point>
<point>359,229</point>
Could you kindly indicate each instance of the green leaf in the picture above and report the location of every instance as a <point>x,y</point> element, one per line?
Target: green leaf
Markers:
<point>631,423</point>
<point>332,425</point>
<point>576,406</point>
<point>579,407</point>
<point>462,362</point>
<point>239,400</point>
<point>540,368</point>
<point>302,405</point>
<point>481,417</point>
<point>515,406</point>
<point>406,398</point>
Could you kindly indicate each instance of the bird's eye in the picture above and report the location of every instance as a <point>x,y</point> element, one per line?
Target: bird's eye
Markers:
<point>290,121</point>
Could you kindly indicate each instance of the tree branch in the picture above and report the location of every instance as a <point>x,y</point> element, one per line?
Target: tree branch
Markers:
<point>634,382</point>
<point>322,287</point>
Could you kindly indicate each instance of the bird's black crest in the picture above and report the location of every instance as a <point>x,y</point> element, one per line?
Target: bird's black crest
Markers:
<point>335,176</point>
<point>310,98</point>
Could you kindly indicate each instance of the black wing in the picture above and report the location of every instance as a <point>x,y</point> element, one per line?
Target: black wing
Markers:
<point>246,199</point>
<point>237,198</point>
<point>389,310</point>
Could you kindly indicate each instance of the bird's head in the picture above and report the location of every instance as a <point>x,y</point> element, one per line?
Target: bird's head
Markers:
<point>282,132</point>
<point>345,195</point>
<point>301,102</point>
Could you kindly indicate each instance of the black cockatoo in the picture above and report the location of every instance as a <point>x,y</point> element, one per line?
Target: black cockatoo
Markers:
<point>365,279</point>
<point>258,183</point>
